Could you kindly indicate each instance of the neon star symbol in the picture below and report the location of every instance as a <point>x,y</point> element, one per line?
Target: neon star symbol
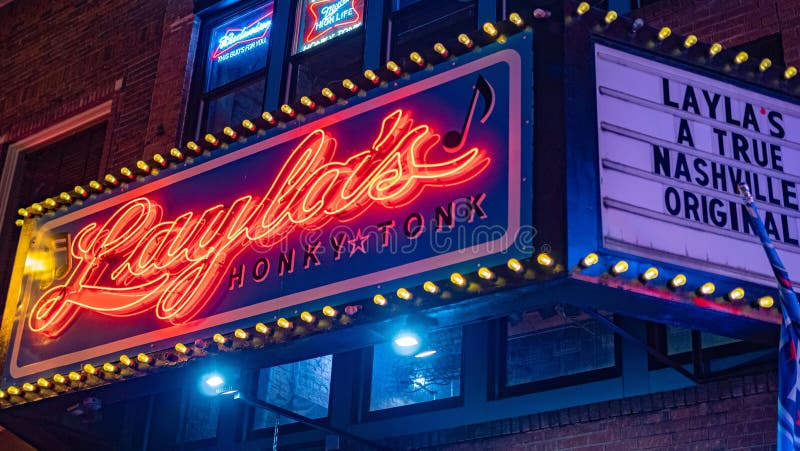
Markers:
<point>357,243</point>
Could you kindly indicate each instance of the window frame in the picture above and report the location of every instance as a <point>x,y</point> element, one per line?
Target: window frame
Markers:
<point>498,368</point>
<point>368,415</point>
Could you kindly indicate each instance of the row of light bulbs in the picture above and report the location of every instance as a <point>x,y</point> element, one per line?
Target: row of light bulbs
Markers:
<point>248,127</point>
<point>676,282</point>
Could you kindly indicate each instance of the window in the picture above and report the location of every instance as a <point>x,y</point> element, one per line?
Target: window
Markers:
<point>416,24</point>
<point>684,346</point>
<point>234,67</point>
<point>431,374</point>
<point>201,417</point>
<point>328,44</point>
<point>553,346</point>
<point>302,387</point>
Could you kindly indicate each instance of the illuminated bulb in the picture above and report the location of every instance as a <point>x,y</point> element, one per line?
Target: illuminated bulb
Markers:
<point>95,185</point>
<point>287,110</point>
<point>379,299</point>
<point>182,348</point>
<point>50,203</point>
<point>230,133</point>
<point>329,311</point>
<point>44,383</point>
<point>766,302</point>
<point>111,179</point>
<point>372,76</point>
<point>109,367</point>
<point>620,267</point>
<point>402,293</point>
<point>393,67</point>
<point>127,361</point>
<point>736,294</point>
<point>329,94</point>
<point>37,208</point>
<point>268,117</point>
<point>485,273</point>
<point>307,317</point>
<point>458,279</point>
<point>417,59</point>
<point>191,145</point>
<point>583,8</point>
<point>142,166</point>
<point>650,274</point>
<point>89,369</point>
<point>765,64</point>
<point>241,334</point>
<point>283,323</point>
<point>707,289</point>
<point>610,17</point>
<point>75,376</point>
<point>790,72</point>
<point>440,49</point>
<point>3,394</point>
<point>544,259</point>
<point>19,222</point>
<point>490,29</point>
<point>678,281</point>
<point>516,19</point>
<point>211,139</point>
<point>28,387</point>
<point>262,328</point>
<point>12,390</point>
<point>176,153</point>
<point>249,125</point>
<point>430,287</point>
<point>160,160</point>
<point>349,85</point>
<point>589,260</point>
<point>80,191</point>
<point>715,49</point>
<point>465,40</point>
<point>690,41</point>
<point>24,213</point>
<point>127,173</point>
<point>514,265</point>
<point>740,57</point>
<point>144,358</point>
<point>219,338</point>
<point>664,33</point>
<point>308,103</point>
<point>59,379</point>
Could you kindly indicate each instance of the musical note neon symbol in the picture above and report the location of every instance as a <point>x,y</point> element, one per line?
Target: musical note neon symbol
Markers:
<point>454,140</point>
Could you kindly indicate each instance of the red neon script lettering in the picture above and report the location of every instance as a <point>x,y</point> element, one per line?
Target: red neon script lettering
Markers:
<point>137,260</point>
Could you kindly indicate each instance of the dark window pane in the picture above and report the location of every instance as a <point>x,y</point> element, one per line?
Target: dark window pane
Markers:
<point>238,47</point>
<point>329,66</point>
<point>232,108</point>
<point>711,340</point>
<point>302,387</point>
<point>201,417</point>
<point>423,23</point>
<point>553,342</point>
<point>60,166</point>
<point>678,340</point>
<point>402,380</point>
<point>320,21</point>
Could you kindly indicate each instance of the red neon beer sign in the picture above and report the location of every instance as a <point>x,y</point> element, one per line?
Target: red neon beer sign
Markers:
<point>328,15</point>
<point>137,260</point>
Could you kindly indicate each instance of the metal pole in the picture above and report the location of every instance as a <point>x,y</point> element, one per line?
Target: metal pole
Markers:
<point>316,424</point>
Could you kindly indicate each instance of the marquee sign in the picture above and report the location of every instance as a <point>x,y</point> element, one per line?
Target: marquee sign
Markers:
<point>425,179</point>
<point>673,145</point>
<point>323,20</point>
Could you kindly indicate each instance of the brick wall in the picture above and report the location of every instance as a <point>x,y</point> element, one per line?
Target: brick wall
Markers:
<point>731,22</point>
<point>732,413</point>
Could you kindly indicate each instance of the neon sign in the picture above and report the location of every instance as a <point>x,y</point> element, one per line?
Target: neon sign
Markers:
<point>327,19</point>
<point>136,261</point>
<point>239,40</point>
<point>394,189</point>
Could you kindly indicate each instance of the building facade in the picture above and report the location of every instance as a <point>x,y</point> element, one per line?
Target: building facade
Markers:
<point>580,334</point>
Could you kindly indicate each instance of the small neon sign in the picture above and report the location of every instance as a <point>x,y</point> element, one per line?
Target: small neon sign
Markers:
<point>239,40</point>
<point>326,19</point>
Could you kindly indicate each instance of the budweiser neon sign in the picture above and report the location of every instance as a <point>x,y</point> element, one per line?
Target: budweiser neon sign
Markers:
<point>329,18</point>
<point>138,261</point>
<point>236,41</point>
